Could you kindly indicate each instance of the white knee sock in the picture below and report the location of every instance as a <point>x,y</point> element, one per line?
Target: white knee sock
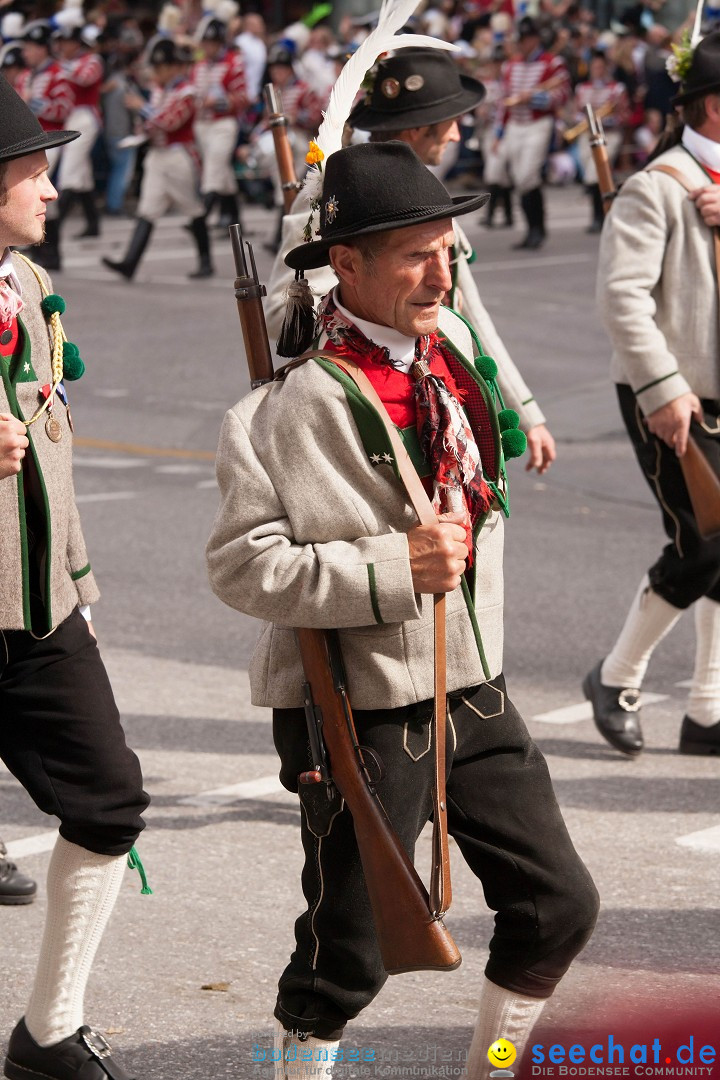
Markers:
<point>704,700</point>
<point>503,1015</point>
<point>310,1059</point>
<point>81,891</point>
<point>649,619</point>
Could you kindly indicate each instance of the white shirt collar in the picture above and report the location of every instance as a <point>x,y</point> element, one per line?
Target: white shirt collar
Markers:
<point>400,347</point>
<point>7,271</point>
<point>707,151</point>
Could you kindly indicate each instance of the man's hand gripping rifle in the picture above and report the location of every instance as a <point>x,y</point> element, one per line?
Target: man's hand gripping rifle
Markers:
<point>410,935</point>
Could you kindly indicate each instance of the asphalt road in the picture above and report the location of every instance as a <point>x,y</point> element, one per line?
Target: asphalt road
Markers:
<point>185,979</point>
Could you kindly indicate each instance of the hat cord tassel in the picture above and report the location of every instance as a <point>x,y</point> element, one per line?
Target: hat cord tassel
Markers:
<point>298,328</point>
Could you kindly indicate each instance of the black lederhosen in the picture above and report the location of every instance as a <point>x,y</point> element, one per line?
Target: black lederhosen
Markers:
<point>60,735</point>
<point>504,817</point>
<point>689,566</point>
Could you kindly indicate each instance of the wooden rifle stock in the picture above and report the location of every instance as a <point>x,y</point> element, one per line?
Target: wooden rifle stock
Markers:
<point>598,147</point>
<point>410,937</point>
<point>283,149</point>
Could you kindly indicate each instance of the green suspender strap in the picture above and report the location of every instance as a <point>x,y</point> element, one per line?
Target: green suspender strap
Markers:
<point>440,886</point>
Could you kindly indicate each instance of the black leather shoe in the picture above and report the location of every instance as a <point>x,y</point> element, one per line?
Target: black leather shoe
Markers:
<point>616,712</point>
<point>84,1054</point>
<point>696,739</point>
<point>15,888</point>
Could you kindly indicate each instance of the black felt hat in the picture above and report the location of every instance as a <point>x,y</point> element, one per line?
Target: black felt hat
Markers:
<point>39,32</point>
<point>414,88</point>
<point>704,75</point>
<point>20,130</point>
<point>166,51</point>
<point>374,187</point>
<point>527,27</point>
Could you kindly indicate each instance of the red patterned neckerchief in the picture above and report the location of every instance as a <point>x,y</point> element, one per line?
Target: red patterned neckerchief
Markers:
<point>445,435</point>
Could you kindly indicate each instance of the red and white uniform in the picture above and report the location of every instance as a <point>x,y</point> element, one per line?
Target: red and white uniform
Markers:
<point>220,86</point>
<point>525,129</point>
<point>598,94</point>
<point>85,75</point>
<point>303,109</point>
<point>221,93</point>
<point>302,106</point>
<point>48,93</point>
<point>170,175</point>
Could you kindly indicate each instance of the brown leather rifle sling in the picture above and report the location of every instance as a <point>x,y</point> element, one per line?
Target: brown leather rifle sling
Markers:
<point>440,885</point>
<point>702,483</point>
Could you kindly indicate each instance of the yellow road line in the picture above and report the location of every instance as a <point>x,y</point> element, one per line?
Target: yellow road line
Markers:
<point>144,451</point>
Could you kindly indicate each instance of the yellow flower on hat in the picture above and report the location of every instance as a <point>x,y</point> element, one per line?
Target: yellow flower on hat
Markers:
<point>314,155</point>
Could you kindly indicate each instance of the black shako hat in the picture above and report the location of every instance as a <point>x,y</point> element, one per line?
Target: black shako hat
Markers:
<point>20,130</point>
<point>166,51</point>
<point>414,88</point>
<point>704,75</point>
<point>374,187</point>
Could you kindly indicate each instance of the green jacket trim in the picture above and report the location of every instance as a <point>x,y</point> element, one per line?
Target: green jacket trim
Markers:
<point>373,593</point>
<point>21,369</point>
<point>476,629</point>
<point>655,382</point>
<point>22,523</point>
<point>81,573</point>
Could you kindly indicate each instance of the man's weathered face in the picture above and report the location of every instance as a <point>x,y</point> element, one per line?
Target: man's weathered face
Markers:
<point>28,190</point>
<point>429,142</point>
<point>404,285</point>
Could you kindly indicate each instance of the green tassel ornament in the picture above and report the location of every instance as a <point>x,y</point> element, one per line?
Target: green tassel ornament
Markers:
<point>508,419</point>
<point>73,366</point>
<point>514,442</point>
<point>53,303</point>
<point>486,366</point>
<point>135,863</point>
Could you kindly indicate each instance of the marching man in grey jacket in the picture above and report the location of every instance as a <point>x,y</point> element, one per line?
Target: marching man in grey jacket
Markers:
<point>658,296</point>
<point>315,530</point>
<point>60,733</point>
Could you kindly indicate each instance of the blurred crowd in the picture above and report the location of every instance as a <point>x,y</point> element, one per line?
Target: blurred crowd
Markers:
<point>96,67</point>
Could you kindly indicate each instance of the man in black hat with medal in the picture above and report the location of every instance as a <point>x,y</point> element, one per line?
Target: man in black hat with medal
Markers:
<point>315,530</point>
<point>60,733</point>
<point>658,296</point>
<point>418,96</point>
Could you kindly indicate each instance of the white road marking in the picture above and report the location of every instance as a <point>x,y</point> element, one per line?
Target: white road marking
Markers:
<point>530,264</point>
<point>207,484</point>
<point>105,496</point>
<point>685,684</point>
<point>707,840</point>
<point>571,714</point>
<point>180,470</point>
<point>83,461</point>
<point>224,796</point>
<point>32,845</point>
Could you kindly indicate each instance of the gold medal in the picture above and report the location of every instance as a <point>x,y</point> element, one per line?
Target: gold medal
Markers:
<point>53,429</point>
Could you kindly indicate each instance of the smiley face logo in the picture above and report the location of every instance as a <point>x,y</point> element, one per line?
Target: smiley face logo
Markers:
<point>502,1053</point>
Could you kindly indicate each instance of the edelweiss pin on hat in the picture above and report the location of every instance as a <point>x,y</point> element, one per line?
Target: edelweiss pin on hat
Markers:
<point>414,88</point>
<point>374,187</point>
<point>20,131</point>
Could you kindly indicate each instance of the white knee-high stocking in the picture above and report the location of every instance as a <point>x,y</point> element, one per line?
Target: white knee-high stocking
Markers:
<point>81,891</point>
<point>503,1015</point>
<point>704,700</point>
<point>649,619</point>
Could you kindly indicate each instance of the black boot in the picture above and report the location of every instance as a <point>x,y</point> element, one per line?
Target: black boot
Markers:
<point>229,212</point>
<point>92,218</point>
<point>506,196</point>
<point>534,210</point>
<point>494,190</point>
<point>596,224</point>
<point>48,253</point>
<point>199,229</point>
<point>15,888</point>
<point>138,242</point>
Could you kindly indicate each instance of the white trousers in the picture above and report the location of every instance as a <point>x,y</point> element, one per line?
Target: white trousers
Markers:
<point>216,140</point>
<point>169,180</point>
<point>76,173</point>
<point>614,142</point>
<point>520,155</point>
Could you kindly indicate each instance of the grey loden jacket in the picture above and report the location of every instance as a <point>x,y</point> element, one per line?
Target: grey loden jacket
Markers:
<point>311,531</point>
<point>69,580</point>
<point>657,290</point>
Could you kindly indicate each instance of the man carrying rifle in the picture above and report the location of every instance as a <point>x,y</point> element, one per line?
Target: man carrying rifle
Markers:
<point>658,296</point>
<point>315,530</point>
<point>418,96</point>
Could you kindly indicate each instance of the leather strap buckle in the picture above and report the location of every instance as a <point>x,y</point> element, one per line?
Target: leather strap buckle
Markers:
<point>96,1043</point>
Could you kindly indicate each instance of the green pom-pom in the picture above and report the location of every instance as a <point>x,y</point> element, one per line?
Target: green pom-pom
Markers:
<point>52,303</point>
<point>514,443</point>
<point>73,366</point>
<point>508,419</point>
<point>486,366</point>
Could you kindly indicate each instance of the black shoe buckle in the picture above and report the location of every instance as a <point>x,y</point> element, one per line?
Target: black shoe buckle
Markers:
<point>96,1043</point>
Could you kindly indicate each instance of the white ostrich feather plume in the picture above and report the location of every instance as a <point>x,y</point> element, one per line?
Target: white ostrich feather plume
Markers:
<point>11,25</point>
<point>393,15</point>
<point>169,18</point>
